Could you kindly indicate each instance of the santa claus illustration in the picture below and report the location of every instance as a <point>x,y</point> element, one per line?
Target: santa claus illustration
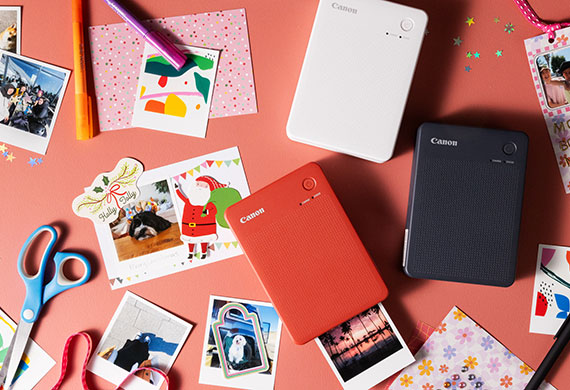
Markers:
<point>205,200</point>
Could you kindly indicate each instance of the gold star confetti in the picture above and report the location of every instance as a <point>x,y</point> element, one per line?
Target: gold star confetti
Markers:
<point>10,157</point>
<point>470,21</point>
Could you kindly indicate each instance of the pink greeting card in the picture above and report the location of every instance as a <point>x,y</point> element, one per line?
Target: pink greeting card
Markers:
<point>460,354</point>
<point>116,53</point>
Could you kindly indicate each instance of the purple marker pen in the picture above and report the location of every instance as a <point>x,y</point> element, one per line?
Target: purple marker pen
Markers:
<point>155,38</point>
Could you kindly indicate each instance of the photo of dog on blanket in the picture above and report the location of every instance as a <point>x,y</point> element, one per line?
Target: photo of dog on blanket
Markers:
<point>146,225</point>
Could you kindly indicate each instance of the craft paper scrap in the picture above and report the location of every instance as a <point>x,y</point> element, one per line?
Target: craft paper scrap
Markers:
<point>10,28</point>
<point>176,101</point>
<point>241,344</point>
<point>551,296</point>
<point>140,334</point>
<point>461,354</point>
<point>116,53</point>
<point>30,98</point>
<point>110,192</point>
<point>365,350</point>
<point>550,70</point>
<point>35,363</point>
<point>177,221</point>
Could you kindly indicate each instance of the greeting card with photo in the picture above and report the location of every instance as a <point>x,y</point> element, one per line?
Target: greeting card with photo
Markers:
<point>177,221</point>
<point>551,296</point>
<point>140,334</point>
<point>365,350</point>
<point>35,363</point>
<point>176,101</point>
<point>10,28</point>
<point>31,92</point>
<point>241,344</point>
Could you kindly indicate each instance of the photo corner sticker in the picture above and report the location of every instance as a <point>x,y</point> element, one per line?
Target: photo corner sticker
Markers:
<point>234,349</point>
<point>109,192</point>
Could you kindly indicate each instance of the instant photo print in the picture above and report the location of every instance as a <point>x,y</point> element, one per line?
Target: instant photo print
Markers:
<point>465,204</point>
<point>356,76</point>
<point>365,350</point>
<point>139,335</point>
<point>241,344</point>
<point>10,28</point>
<point>294,233</point>
<point>31,92</point>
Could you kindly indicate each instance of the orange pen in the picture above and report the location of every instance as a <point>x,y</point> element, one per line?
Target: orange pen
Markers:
<point>83,113</point>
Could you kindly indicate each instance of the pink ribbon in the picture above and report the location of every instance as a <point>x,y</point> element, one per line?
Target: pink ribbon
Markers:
<point>533,18</point>
<point>112,194</point>
<point>65,359</point>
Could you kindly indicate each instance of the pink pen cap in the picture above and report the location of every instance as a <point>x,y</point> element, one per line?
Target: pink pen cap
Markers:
<point>168,49</point>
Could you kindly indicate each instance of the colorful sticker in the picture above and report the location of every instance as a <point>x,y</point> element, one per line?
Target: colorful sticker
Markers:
<point>176,101</point>
<point>110,192</point>
<point>241,344</point>
<point>235,350</point>
<point>551,296</point>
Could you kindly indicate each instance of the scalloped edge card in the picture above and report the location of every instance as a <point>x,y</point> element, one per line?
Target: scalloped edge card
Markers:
<point>110,192</point>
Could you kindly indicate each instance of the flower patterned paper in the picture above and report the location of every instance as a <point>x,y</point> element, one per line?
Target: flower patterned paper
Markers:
<point>462,355</point>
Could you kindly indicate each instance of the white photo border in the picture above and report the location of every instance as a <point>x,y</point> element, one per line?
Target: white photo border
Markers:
<point>116,374</point>
<point>381,370</point>
<point>25,140</point>
<point>215,376</point>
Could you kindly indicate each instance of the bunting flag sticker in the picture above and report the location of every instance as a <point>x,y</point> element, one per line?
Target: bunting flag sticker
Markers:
<point>207,164</point>
<point>110,192</point>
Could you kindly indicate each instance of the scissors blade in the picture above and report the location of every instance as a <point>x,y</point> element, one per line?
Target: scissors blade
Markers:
<point>15,352</point>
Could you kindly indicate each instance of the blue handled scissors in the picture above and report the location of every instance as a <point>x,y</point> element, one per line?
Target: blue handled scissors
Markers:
<point>37,294</point>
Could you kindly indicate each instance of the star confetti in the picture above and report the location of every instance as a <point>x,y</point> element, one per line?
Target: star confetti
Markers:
<point>3,148</point>
<point>5,153</point>
<point>457,41</point>
<point>477,54</point>
<point>10,157</point>
<point>32,162</point>
<point>468,68</point>
<point>496,20</point>
<point>40,160</point>
<point>509,28</point>
<point>469,55</point>
<point>499,53</point>
<point>470,21</point>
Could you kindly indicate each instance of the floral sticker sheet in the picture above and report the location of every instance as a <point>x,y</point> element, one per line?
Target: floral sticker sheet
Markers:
<point>462,355</point>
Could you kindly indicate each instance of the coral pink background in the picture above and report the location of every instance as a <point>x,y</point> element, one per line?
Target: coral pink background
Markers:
<point>497,92</point>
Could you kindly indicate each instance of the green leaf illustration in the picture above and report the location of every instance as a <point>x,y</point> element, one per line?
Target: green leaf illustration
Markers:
<point>98,189</point>
<point>105,180</point>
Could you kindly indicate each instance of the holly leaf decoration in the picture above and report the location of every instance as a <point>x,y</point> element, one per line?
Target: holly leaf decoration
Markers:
<point>97,189</point>
<point>105,180</point>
